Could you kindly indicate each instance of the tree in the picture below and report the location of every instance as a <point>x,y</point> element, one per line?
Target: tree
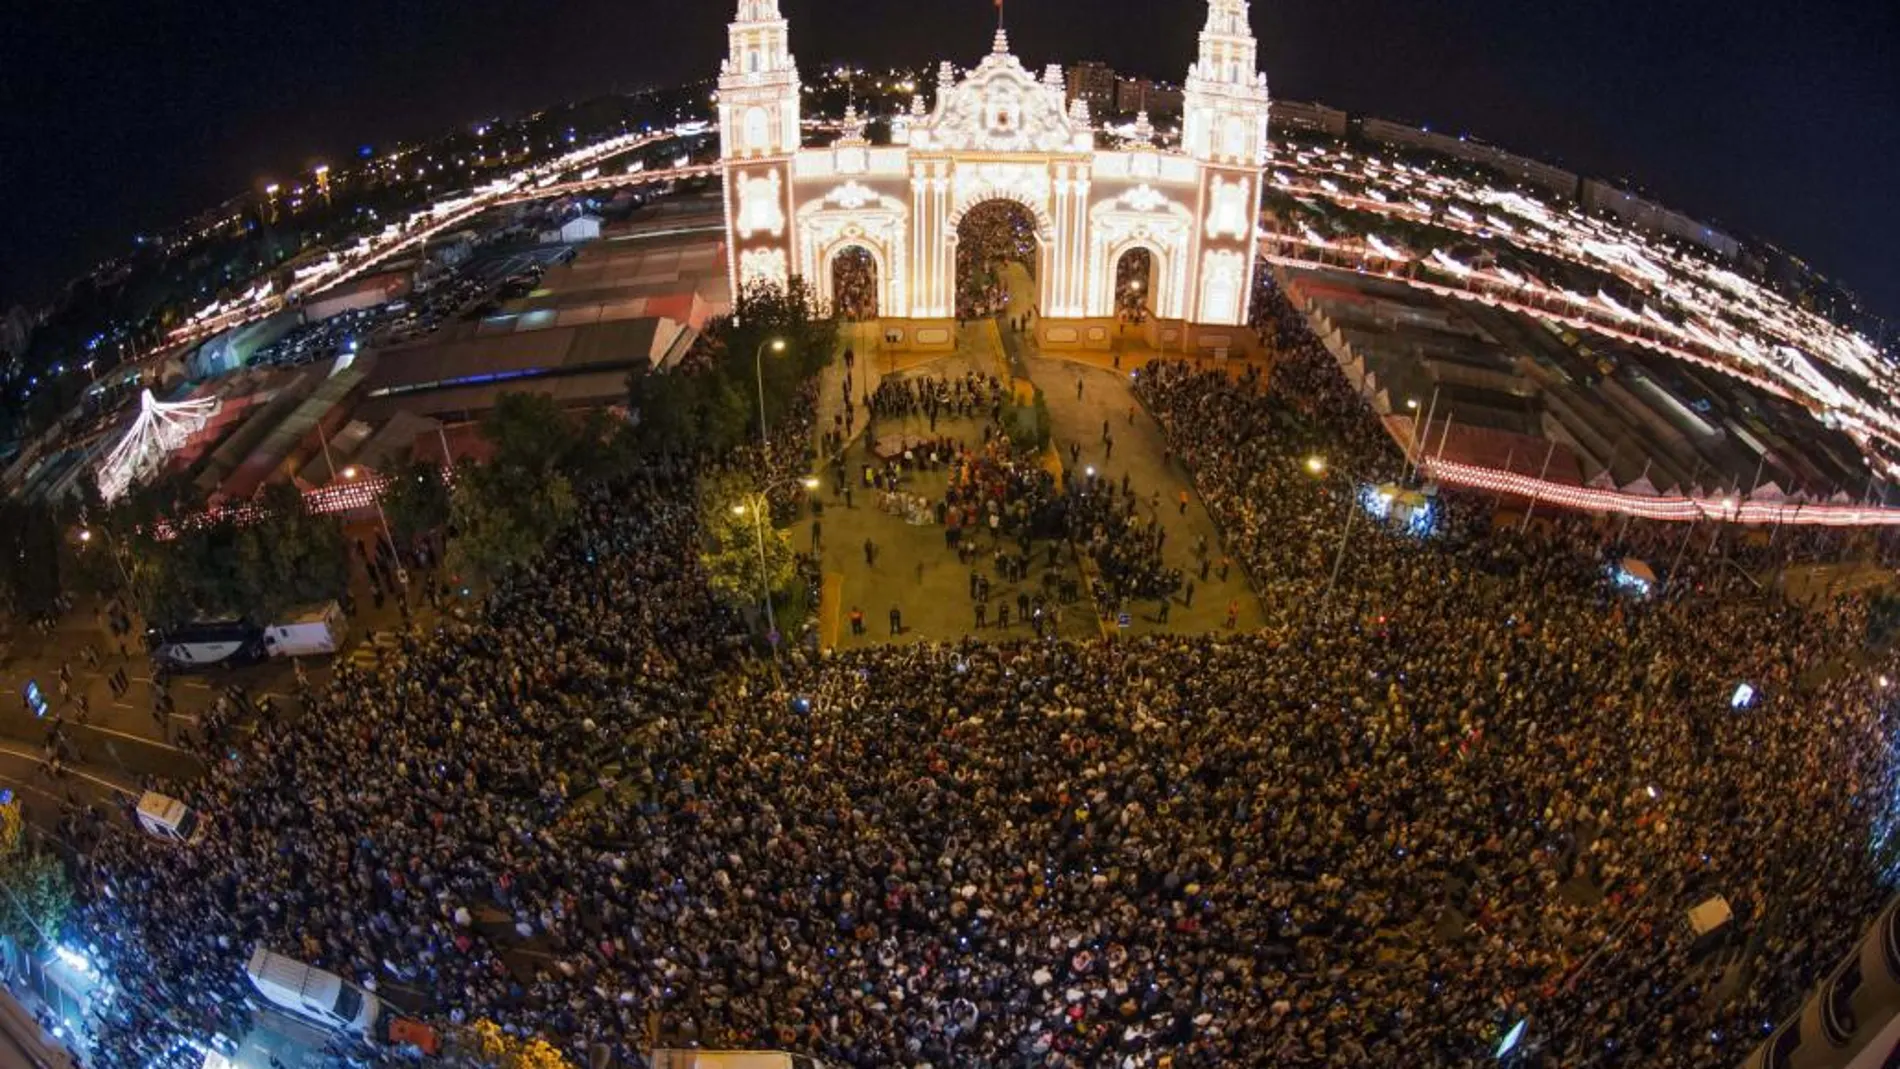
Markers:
<point>289,557</point>
<point>663,406</point>
<point>485,1044</point>
<point>532,432</point>
<point>29,558</point>
<point>224,566</point>
<point>764,312</point>
<point>37,894</point>
<point>731,551</point>
<point>1028,425</point>
<point>417,501</point>
<point>504,515</point>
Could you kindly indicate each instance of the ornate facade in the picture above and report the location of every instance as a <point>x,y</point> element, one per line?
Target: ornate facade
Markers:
<point>999,132</point>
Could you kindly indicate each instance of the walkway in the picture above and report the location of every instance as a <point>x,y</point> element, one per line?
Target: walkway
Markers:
<point>1141,453</point>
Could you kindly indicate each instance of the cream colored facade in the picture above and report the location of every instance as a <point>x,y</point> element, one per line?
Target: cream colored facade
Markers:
<point>999,132</point>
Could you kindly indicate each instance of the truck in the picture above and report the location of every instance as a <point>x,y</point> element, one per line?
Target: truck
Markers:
<point>167,818</point>
<point>317,996</point>
<point>313,631</point>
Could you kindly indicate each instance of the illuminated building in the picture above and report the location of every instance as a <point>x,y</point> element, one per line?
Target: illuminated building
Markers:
<point>1001,133</point>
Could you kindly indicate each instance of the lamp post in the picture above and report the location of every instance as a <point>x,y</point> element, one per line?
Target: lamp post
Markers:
<point>402,573</point>
<point>112,550</point>
<point>1317,466</point>
<point>777,345</point>
<point>759,504</point>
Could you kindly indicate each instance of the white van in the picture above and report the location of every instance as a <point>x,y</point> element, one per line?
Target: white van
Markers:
<point>313,994</point>
<point>168,818</point>
<point>317,631</point>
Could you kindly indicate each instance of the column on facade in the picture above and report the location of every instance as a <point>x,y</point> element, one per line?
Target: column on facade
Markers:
<point>932,260</point>
<point>1067,293</point>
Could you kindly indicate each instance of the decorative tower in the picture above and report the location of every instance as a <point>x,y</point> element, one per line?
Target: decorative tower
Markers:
<point>758,134</point>
<point>1225,129</point>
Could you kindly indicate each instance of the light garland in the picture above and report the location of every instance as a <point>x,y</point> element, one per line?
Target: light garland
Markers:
<point>1674,509</point>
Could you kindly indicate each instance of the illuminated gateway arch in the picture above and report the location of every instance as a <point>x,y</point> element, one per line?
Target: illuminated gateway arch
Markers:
<point>1000,133</point>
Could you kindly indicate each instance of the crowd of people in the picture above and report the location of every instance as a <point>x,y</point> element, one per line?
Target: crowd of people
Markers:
<point>1105,519</point>
<point>1476,786</point>
<point>990,237</point>
<point>854,285</point>
<point>1134,285</point>
<point>963,396</point>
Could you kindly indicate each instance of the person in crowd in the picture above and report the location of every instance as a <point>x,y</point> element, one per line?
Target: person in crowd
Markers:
<point>1470,784</point>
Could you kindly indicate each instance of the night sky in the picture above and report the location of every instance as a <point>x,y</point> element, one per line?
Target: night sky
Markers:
<point>1780,120</point>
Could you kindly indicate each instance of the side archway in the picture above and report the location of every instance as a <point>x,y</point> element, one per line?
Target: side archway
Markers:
<point>1135,284</point>
<point>1139,221</point>
<point>852,279</point>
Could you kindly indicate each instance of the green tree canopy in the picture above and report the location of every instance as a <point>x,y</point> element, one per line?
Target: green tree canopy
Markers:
<point>37,894</point>
<point>711,401</point>
<point>731,529</point>
<point>29,558</point>
<point>417,501</point>
<point>221,567</point>
<point>504,515</point>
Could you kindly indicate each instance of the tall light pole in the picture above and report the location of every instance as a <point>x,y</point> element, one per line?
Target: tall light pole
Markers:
<point>1317,467</point>
<point>757,505</point>
<point>402,573</point>
<point>760,504</point>
<point>777,345</point>
<point>1339,559</point>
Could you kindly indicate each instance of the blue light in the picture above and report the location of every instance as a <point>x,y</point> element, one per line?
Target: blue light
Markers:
<point>1624,580</point>
<point>1512,1039</point>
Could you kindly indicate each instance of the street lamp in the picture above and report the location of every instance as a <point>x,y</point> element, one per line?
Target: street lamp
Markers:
<point>759,505</point>
<point>777,345</point>
<point>1317,465</point>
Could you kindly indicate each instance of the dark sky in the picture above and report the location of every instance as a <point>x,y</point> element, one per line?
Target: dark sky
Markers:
<point>1778,119</point>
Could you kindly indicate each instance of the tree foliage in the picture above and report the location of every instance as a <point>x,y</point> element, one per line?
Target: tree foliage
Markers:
<point>228,566</point>
<point>417,501</point>
<point>485,1044</point>
<point>1028,425</point>
<point>711,401</point>
<point>504,515</point>
<point>37,892</point>
<point>731,550</point>
<point>29,558</point>
<point>505,511</point>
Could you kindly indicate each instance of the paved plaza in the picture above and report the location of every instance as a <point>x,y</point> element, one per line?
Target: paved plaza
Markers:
<point>911,567</point>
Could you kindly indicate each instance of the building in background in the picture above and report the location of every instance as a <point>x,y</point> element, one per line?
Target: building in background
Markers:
<point>1092,81</point>
<point>1158,99</point>
<point>1637,210</point>
<point>1547,177</point>
<point>1292,116</point>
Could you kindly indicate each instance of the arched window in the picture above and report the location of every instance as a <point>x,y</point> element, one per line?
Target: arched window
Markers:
<point>752,61</point>
<point>1233,136</point>
<point>758,130</point>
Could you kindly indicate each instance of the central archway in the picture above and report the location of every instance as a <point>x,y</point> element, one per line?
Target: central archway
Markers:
<point>998,260</point>
<point>854,284</point>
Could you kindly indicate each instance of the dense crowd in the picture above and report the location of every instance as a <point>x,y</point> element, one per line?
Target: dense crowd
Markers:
<point>854,285</point>
<point>1106,521</point>
<point>990,237</point>
<point>1134,285</point>
<point>1475,787</point>
<point>964,396</point>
